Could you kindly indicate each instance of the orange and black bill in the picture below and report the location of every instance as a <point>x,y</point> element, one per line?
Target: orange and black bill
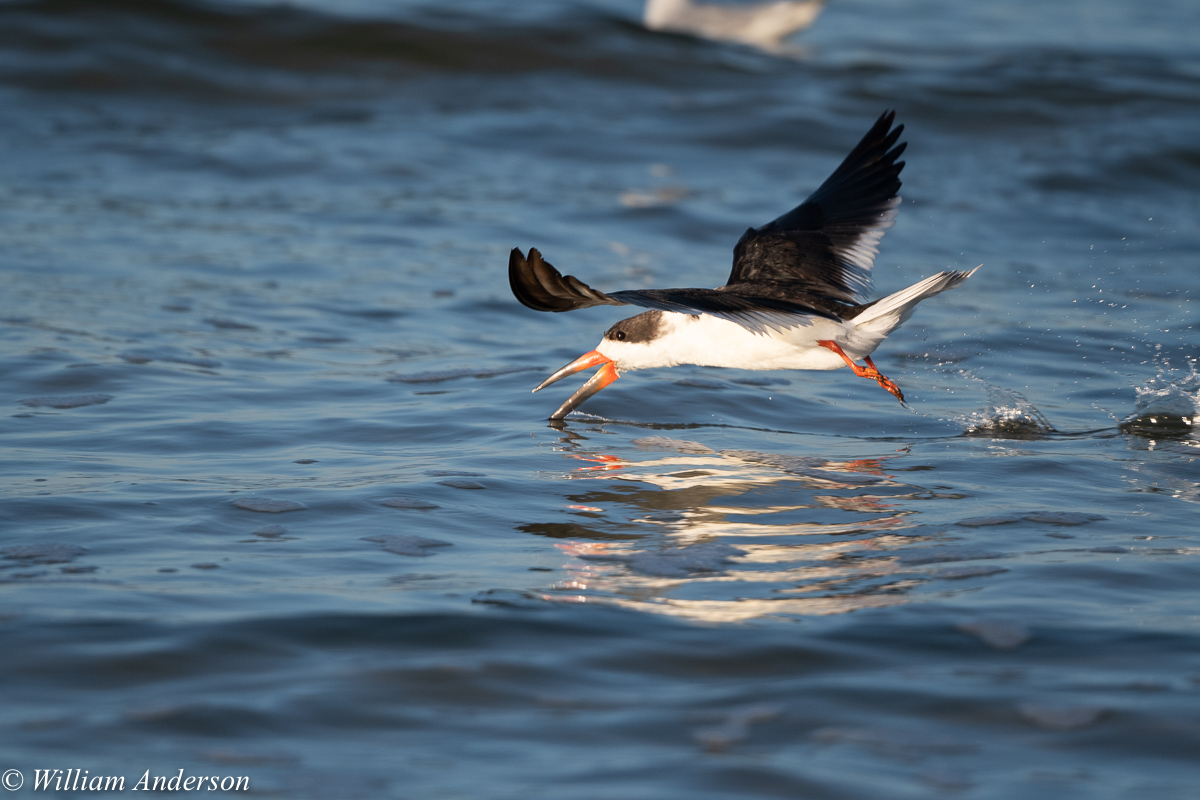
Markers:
<point>606,375</point>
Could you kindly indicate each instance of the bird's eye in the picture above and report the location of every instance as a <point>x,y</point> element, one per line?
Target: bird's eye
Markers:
<point>620,336</point>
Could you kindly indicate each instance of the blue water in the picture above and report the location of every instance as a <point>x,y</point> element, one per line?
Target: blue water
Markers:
<point>278,502</point>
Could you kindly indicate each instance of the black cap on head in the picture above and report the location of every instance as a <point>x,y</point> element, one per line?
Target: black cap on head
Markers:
<point>642,328</point>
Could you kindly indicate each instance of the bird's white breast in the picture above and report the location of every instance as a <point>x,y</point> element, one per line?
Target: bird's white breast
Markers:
<point>711,342</point>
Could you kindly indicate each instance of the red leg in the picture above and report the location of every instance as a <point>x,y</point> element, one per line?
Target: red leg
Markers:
<point>869,371</point>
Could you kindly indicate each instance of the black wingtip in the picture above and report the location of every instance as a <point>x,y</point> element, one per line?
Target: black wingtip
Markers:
<point>523,280</point>
<point>538,285</point>
<point>871,170</point>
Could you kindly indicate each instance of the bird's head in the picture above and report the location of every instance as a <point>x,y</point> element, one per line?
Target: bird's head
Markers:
<point>630,344</point>
<point>633,342</point>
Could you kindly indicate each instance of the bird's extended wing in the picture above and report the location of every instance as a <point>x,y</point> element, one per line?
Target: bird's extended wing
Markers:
<point>827,244</point>
<point>538,285</point>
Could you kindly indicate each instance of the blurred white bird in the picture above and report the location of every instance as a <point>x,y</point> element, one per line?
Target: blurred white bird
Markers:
<point>763,25</point>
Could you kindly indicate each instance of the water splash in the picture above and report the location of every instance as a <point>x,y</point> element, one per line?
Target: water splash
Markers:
<point>1167,406</point>
<point>1007,415</point>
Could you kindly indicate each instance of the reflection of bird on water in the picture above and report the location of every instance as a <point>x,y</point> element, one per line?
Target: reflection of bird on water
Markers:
<point>795,298</point>
<point>735,535</point>
<point>763,25</point>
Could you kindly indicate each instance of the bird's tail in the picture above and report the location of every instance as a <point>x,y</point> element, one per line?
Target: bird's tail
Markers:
<point>885,315</point>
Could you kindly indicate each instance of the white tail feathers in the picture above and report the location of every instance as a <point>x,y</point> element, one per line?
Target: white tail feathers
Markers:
<point>885,315</point>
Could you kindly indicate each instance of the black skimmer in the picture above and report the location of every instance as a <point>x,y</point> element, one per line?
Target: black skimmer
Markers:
<point>763,25</point>
<point>794,300</point>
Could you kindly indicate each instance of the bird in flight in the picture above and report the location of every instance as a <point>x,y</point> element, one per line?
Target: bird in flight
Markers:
<point>795,299</point>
